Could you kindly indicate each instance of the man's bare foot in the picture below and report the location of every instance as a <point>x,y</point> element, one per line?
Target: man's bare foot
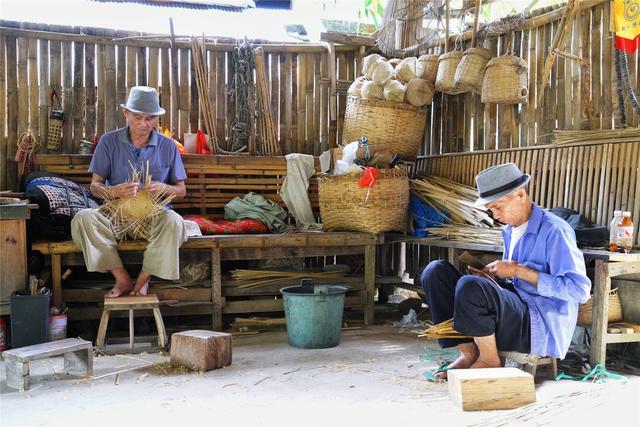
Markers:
<point>119,289</point>
<point>468,355</point>
<point>481,363</point>
<point>140,289</point>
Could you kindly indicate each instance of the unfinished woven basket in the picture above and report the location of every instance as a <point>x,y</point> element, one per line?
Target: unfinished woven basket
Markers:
<point>585,311</point>
<point>430,63</point>
<point>447,65</point>
<point>344,205</point>
<point>505,81</point>
<point>397,126</point>
<point>470,71</point>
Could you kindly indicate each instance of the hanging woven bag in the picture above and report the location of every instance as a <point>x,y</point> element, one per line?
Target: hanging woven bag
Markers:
<point>506,81</point>
<point>447,65</point>
<point>56,120</point>
<point>470,71</point>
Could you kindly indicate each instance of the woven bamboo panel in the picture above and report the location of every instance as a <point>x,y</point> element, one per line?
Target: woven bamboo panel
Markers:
<point>397,126</point>
<point>344,205</point>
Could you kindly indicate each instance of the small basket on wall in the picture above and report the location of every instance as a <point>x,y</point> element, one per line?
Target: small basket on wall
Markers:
<point>506,81</point>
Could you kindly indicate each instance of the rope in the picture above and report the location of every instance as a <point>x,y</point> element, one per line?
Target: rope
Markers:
<point>28,145</point>
<point>243,64</point>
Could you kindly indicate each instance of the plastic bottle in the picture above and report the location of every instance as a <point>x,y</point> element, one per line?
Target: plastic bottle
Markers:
<point>624,241</point>
<point>613,233</point>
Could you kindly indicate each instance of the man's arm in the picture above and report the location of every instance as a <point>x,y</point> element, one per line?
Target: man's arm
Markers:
<point>120,191</point>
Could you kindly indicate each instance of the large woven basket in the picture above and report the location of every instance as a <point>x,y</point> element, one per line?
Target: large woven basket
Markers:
<point>447,65</point>
<point>585,311</point>
<point>430,63</point>
<point>397,126</point>
<point>344,205</point>
<point>470,71</point>
<point>505,81</point>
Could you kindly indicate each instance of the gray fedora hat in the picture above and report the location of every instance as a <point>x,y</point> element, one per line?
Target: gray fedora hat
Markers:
<point>498,181</point>
<point>144,100</point>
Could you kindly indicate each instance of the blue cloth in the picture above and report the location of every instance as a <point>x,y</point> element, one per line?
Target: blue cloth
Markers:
<point>424,216</point>
<point>549,247</point>
<point>114,156</point>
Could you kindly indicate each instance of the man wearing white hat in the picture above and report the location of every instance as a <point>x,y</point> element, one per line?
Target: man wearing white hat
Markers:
<point>137,144</point>
<point>526,302</point>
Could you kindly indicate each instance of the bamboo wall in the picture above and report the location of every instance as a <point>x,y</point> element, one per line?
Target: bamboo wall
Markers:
<point>582,95</point>
<point>93,70</point>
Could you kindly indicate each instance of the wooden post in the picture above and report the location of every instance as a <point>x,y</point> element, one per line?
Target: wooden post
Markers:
<point>369,281</point>
<point>216,290</point>
<point>601,288</point>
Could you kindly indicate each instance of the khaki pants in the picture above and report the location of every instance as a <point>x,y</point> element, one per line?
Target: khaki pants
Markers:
<point>94,234</point>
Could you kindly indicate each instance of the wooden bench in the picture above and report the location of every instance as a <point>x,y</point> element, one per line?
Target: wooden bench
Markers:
<point>212,182</point>
<point>592,178</point>
<point>78,359</point>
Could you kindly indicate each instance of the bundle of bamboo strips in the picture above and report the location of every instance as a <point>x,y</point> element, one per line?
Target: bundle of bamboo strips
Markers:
<point>455,198</point>
<point>466,233</point>
<point>598,135</point>
<point>442,330</point>
<point>257,278</point>
<point>199,56</point>
<point>266,128</point>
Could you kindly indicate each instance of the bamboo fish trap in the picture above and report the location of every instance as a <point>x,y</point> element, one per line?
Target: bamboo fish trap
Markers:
<point>133,216</point>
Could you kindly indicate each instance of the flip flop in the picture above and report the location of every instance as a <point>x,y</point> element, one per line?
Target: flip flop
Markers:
<point>444,367</point>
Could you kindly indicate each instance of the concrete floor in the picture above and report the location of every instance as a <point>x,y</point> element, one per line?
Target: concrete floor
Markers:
<point>375,377</point>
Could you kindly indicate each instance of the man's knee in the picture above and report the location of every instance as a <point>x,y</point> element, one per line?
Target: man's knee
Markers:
<point>83,218</point>
<point>471,288</point>
<point>433,274</point>
<point>173,221</point>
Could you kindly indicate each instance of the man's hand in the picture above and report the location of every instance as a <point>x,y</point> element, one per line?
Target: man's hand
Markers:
<point>502,269</point>
<point>125,190</point>
<point>156,188</point>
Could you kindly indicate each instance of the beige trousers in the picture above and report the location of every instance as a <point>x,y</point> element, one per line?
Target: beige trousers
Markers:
<point>94,234</point>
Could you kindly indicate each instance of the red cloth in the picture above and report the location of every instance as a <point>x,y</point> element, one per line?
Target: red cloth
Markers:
<point>223,226</point>
<point>369,177</point>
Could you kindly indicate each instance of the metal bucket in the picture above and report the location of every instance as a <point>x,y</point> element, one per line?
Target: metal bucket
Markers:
<point>314,314</point>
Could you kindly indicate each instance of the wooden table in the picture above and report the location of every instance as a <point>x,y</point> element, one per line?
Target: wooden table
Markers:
<point>608,265</point>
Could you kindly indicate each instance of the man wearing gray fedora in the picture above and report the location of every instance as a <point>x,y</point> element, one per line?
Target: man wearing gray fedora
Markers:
<point>140,145</point>
<point>526,302</point>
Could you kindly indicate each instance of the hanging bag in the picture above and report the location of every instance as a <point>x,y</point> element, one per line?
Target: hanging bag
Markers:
<point>56,120</point>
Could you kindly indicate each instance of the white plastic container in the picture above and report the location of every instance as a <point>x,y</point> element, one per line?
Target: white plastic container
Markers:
<point>613,233</point>
<point>624,230</point>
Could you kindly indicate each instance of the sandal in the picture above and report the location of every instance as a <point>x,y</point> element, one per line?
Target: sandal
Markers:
<point>444,367</point>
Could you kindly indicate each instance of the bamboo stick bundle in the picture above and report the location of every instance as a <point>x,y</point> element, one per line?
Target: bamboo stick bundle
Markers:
<point>202,83</point>
<point>452,197</point>
<point>257,278</point>
<point>266,126</point>
<point>442,330</point>
<point>598,135</point>
<point>465,233</point>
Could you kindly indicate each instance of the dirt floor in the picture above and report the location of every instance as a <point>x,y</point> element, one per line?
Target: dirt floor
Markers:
<point>375,377</point>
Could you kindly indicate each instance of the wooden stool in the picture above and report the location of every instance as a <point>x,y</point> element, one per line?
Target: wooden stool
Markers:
<point>131,303</point>
<point>531,362</point>
<point>78,359</point>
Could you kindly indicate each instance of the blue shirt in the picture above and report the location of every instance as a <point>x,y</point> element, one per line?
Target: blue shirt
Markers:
<point>549,247</point>
<point>115,155</point>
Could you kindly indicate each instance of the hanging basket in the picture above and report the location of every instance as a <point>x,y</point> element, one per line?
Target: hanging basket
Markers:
<point>470,71</point>
<point>585,311</point>
<point>344,205</point>
<point>430,63</point>
<point>506,81</point>
<point>56,121</point>
<point>447,65</point>
<point>397,126</point>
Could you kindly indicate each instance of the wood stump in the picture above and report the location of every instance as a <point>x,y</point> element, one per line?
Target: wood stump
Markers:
<point>201,350</point>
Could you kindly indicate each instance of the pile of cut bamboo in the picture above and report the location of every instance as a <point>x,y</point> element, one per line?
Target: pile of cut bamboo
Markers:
<point>599,135</point>
<point>257,278</point>
<point>453,197</point>
<point>466,233</point>
<point>199,56</point>
<point>266,128</point>
<point>442,330</point>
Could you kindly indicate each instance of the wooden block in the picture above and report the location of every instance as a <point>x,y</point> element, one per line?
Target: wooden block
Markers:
<point>491,388</point>
<point>201,350</point>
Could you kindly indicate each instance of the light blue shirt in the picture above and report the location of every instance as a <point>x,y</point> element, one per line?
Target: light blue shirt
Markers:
<point>549,247</point>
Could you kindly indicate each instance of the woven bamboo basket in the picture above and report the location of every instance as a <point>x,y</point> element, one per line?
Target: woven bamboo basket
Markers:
<point>505,81</point>
<point>344,205</point>
<point>447,65</point>
<point>430,63</point>
<point>470,71</point>
<point>585,311</point>
<point>397,126</point>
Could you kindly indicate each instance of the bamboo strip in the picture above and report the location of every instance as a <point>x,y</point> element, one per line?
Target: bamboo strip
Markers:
<point>267,130</point>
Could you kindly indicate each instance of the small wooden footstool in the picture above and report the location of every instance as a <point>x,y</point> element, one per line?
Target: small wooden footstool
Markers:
<point>78,359</point>
<point>131,303</point>
<point>201,350</point>
<point>531,362</point>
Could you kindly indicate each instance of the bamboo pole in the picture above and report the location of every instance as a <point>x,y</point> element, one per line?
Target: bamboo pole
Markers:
<point>267,132</point>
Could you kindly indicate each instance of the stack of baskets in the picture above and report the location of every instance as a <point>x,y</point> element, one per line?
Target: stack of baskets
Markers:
<point>397,126</point>
<point>344,205</point>
<point>585,311</point>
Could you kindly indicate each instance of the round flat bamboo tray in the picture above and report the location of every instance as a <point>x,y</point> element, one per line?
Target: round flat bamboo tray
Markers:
<point>447,65</point>
<point>397,126</point>
<point>470,71</point>
<point>585,311</point>
<point>506,81</point>
<point>344,205</point>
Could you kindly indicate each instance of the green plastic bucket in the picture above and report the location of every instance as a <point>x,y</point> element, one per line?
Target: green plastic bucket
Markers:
<point>314,314</point>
